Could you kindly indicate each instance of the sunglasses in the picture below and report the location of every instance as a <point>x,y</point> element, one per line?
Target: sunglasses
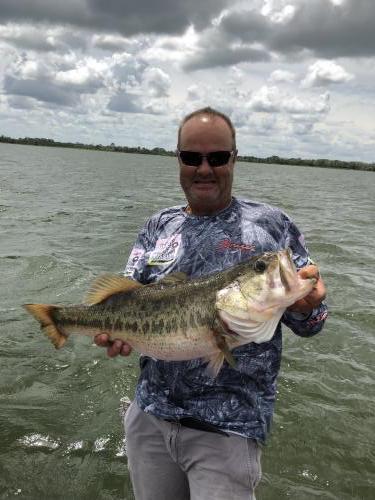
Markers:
<point>214,159</point>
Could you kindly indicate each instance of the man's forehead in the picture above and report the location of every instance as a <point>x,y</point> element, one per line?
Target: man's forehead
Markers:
<point>206,118</point>
<point>203,121</point>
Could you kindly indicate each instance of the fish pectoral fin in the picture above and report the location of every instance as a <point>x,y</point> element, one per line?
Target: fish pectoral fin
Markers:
<point>220,332</point>
<point>173,278</point>
<point>43,314</point>
<point>107,285</point>
<point>223,346</point>
<point>214,364</point>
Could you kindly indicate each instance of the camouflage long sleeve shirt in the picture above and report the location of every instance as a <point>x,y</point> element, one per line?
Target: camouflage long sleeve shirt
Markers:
<point>239,400</point>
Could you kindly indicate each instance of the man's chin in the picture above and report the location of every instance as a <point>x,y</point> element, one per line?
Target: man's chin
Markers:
<point>204,191</point>
<point>206,199</point>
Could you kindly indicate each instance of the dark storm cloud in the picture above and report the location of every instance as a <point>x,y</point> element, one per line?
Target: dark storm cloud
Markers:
<point>28,38</point>
<point>21,102</point>
<point>43,91</point>
<point>126,17</point>
<point>319,28</point>
<point>326,29</point>
<point>42,39</point>
<point>225,56</point>
<point>114,43</point>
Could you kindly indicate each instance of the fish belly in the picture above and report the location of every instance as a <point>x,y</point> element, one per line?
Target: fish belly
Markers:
<point>175,346</point>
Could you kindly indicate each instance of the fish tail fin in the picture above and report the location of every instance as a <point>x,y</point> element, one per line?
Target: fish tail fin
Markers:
<point>44,314</point>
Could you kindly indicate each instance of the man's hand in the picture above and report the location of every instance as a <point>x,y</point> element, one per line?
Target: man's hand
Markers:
<point>114,348</point>
<point>317,294</point>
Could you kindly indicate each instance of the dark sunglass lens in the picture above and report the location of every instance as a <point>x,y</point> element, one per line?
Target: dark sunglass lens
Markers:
<point>191,158</point>
<point>218,158</point>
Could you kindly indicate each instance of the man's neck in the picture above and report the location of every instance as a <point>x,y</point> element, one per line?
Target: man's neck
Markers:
<point>189,210</point>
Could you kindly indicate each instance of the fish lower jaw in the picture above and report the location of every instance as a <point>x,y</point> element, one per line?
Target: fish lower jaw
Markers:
<point>251,331</point>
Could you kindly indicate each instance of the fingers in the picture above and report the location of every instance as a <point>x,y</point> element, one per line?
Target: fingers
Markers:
<point>317,294</point>
<point>114,348</point>
<point>125,349</point>
<point>101,340</point>
<point>310,271</point>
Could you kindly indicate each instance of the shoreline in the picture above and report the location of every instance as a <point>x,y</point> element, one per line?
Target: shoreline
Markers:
<point>320,162</point>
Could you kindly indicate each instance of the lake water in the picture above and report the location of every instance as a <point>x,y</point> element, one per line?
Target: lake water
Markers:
<point>67,216</point>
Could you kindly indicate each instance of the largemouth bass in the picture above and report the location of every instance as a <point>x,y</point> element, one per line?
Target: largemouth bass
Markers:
<point>179,318</point>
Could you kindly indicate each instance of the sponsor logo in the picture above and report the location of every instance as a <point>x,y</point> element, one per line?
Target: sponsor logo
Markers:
<point>165,251</point>
<point>243,247</point>
<point>321,317</point>
<point>134,257</point>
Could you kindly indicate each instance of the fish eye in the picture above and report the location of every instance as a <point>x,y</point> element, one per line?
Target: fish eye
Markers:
<point>260,265</point>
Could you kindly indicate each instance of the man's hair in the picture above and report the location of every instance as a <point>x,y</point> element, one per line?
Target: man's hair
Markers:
<point>212,113</point>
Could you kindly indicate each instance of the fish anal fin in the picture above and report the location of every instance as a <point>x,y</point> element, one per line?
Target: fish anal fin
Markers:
<point>44,314</point>
<point>107,285</point>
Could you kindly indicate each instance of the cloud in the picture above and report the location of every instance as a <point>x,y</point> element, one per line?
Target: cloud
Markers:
<point>47,82</point>
<point>43,38</point>
<point>280,75</point>
<point>270,99</point>
<point>126,17</point>
<point>322,28</point>
<point>115,43</point>
<point>157,82</point>
<point>92,70</point>
<point>21,102</point>
<point>225,56</point>
<point>323,73</point>
<point>27,37</point>
<point>43,91</point>
<point>87,76</point>
<point>125,103</point>
<point>170,49</point>
<point>279,16</point>
<point>266,99</point>
<point>315,106</point>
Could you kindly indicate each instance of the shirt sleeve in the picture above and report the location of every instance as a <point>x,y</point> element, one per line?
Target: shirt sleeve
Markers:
<point>301,324</point>
<point>137,262</point>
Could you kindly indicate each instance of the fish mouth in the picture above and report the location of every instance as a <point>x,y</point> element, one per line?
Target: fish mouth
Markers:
<point>286,264</point>
<point>281,287</point>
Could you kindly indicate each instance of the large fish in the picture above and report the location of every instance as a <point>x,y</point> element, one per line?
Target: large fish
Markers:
<point>179,318</point>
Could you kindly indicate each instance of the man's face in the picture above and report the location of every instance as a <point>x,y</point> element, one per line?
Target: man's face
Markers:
<point>207,189</point>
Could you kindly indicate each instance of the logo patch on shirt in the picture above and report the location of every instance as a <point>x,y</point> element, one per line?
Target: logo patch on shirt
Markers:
<point>165,251</point>
<point>134,257</point>
<point>243,247</point>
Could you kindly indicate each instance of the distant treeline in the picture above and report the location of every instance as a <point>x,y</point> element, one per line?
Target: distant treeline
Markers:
<point>321,162</point>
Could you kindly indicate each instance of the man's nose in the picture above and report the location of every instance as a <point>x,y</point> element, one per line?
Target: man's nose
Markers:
<point>204,168</point>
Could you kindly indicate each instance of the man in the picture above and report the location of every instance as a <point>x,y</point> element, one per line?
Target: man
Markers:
<point>191,436</point>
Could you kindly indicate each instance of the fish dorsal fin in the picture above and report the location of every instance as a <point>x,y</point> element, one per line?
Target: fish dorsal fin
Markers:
<point>107,285</point>
<point>173,278</point>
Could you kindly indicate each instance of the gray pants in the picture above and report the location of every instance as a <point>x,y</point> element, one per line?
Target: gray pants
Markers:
<point>168,461</point>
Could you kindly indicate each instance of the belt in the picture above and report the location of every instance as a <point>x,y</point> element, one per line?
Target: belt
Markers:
<point>198,425</point>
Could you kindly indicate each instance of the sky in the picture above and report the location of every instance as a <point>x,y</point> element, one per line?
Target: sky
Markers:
<point>297,77</point>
